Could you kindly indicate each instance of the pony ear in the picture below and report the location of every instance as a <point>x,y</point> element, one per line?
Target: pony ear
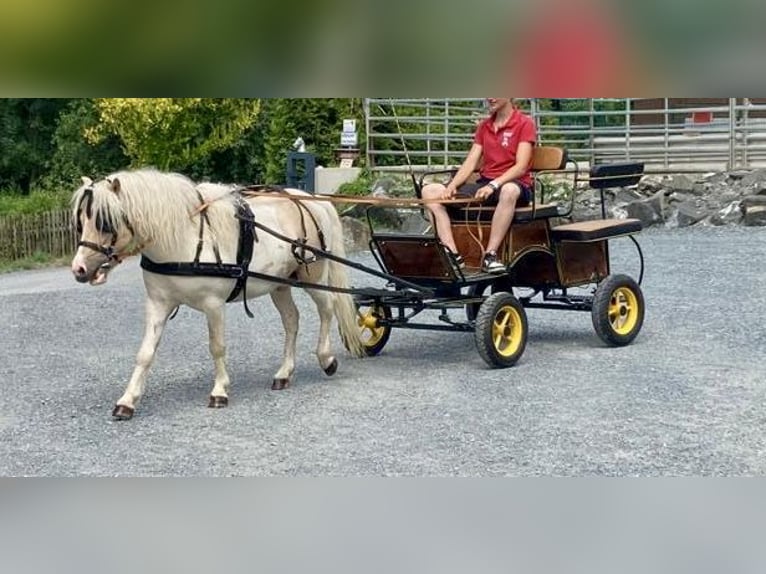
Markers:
<point>114,183</point>
<point>86,181</point>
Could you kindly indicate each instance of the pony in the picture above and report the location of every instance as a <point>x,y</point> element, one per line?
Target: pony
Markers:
<point>195,231</point>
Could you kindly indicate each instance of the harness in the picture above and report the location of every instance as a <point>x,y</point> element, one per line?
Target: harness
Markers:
<point>103,226</point>
<point>247,238</point>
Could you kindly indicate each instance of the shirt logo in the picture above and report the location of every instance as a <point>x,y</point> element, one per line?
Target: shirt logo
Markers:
<point>506,141</point>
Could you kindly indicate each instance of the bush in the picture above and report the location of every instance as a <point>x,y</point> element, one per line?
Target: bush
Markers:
<point>35,202</point>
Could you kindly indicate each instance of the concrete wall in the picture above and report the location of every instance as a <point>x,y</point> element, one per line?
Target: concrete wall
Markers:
<point>327,180</point>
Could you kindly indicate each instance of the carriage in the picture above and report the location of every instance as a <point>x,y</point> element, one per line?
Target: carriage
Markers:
<point>546,258</point>
<point>204,245</point>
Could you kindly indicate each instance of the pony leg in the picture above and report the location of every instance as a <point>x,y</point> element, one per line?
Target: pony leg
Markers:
<point>283,301</point>
<point>324,302</point>
<point>157,314</point>
<point>219,396</point>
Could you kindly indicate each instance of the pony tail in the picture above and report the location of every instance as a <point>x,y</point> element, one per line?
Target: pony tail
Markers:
<point>343,303</point>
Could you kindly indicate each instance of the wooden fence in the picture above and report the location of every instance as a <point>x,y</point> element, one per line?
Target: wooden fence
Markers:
<point>23,236</point>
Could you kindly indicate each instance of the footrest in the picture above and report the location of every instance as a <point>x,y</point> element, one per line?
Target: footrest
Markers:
<point>596,230</point>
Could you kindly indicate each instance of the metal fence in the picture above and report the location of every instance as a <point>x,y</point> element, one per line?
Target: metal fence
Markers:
<point>23,236</point>
<point>667,134</point>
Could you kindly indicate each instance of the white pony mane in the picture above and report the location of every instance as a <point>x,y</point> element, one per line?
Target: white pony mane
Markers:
<point>159,206</point>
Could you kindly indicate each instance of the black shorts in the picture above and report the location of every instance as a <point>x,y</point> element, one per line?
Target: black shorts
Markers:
<point>470,189</point>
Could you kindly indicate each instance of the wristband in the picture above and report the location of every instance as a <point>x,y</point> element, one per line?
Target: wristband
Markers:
<point>493,185</point>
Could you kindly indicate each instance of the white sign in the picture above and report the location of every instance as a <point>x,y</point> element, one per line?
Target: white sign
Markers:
<point>349,126</point>
<point>348,139</point>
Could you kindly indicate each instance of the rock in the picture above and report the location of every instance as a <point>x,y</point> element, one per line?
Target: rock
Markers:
<point>645,211</point>
<point>624,195</point>
<point>738,174</point>
<point>688,214</point>
<point>754,177</point>
<point>755,215</point>
<point>731,214</point>
<point>383,187</point>
<point>681,183</point>
<point>753,200</point>
<point>356,234</point>
<point>651,184</point>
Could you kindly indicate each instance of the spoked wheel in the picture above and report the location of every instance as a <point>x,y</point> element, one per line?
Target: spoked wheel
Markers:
<point>374,335</point>
<point>501,330</point>
<point>618,310</point>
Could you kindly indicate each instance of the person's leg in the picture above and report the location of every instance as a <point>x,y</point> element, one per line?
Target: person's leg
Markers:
<point>503,216</point>
<point>439,216</point>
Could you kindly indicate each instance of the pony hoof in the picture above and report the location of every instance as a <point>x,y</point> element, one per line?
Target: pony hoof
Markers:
<point>218,402</point>
<point>280,384</point>
<point>122,413</point>
<point>331,369</point>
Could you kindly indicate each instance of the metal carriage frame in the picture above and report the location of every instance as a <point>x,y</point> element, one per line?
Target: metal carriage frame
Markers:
<point>544,256</point>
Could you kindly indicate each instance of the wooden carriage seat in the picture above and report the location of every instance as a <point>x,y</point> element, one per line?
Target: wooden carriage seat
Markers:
<point>595,230</point>
<point>603,177</point>
<point>544,158</point>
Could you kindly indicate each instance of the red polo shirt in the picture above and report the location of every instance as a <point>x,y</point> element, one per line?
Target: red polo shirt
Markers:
<point>499,147</point>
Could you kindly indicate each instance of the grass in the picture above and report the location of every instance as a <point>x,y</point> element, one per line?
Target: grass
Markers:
<point>38,261</point>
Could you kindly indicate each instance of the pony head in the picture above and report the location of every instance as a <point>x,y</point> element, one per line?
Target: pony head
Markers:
<point>104,232</point>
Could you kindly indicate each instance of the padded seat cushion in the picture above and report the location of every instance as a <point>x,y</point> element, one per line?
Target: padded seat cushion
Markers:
<point>540,211</point>
<point>595,230</point>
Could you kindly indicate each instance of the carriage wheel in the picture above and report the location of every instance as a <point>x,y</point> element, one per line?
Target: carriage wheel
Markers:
<point>618,310</point>
<point>477,290</point>
<point>501,330</point>
<point>374,335</point>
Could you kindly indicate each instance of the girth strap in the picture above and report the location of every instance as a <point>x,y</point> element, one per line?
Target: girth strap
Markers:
<point>238,270</point>
<point>244,250</point>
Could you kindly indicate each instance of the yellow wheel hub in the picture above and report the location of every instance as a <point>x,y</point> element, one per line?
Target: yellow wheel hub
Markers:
<point>507,331</point>
<point>623,310</point>
<point>371,332</point>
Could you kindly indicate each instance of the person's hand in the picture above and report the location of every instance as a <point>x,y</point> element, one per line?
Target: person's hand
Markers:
<point>450,191</point>
<point>484,192</point>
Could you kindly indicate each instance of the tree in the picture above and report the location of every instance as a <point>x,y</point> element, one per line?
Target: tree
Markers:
<point>172,133</point>
<point>26,128</point>
<point>73,155</point>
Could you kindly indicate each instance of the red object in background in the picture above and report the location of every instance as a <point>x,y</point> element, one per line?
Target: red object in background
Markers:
<point>702,117</point>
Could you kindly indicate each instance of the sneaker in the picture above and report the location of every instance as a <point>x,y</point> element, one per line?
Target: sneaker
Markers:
<point>456,259</point>
<point>491,264</point>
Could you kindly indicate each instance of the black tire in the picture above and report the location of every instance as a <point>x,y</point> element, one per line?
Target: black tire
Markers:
<point>477,290</point>
<point>618,310</point>
<point>501,330</point>
<point>374,336</point>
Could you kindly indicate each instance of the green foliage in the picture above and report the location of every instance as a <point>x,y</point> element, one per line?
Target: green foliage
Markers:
<point>318,121</point>
<point>35,202</point>
<point>360,187</point>
<point>74,155</point>
<point>172,133</point>
<point>26,129</point>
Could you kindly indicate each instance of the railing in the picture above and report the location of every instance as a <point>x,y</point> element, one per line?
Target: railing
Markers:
<point>24,236</point>
<point>666,134</point>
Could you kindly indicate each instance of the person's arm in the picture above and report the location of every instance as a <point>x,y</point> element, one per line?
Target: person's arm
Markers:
<point>518,169</point>
<point>469,165</point>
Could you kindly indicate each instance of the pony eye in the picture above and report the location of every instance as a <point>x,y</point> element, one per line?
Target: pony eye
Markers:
<point>103,225</point>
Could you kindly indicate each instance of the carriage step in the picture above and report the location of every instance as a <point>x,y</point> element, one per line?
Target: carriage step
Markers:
<point>596,230</point>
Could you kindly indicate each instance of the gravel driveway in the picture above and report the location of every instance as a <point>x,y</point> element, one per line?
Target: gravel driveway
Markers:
<point>686,398</point>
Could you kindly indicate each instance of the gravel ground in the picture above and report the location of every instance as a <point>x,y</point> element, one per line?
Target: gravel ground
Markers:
<point>686,398</point>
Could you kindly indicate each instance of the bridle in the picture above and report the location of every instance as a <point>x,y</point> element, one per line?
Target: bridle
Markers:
<point>108,251</point>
